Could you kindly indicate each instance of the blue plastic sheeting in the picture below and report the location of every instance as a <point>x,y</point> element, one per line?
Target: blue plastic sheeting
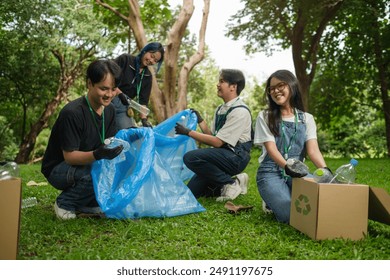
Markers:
<point>146,179</point>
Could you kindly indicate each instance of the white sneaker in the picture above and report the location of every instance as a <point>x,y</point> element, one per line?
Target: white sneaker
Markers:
<point>243,179</point>
<point>64,214</point>
<point>266,210</point>
<point>230,192</point>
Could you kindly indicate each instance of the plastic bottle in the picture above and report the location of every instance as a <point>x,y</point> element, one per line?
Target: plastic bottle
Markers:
<point>140,108</point>
<point>29,202</point>
<point>9,170</point>
<point>183,121</point>
<point>346,173</point>
<point>322,175</point>
<point>298,166</point>
<point>113,142</point>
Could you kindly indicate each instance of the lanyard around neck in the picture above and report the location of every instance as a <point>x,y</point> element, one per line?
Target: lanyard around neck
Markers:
<point>101,135</point>
<point>140,83</point>
<point>287,148</point>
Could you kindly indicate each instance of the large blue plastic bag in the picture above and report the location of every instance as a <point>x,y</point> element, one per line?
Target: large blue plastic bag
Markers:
<point>139,182</point>
<point>171,146</point>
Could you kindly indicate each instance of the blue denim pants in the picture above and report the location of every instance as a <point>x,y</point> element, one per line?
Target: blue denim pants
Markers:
<point>75,182</point>
<point>214,168</point>
<point>275,190</point>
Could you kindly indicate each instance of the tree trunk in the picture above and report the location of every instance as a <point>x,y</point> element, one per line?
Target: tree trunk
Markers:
<point>167,102</point>
<point>383,80</point>
<point>301,62</point>
<point>193,60</point>
<point>28,143</point>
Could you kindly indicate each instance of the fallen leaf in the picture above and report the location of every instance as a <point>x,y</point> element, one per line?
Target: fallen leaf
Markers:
<point>234,209</point>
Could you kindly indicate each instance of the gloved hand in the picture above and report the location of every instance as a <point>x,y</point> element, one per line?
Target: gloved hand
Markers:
<point>327,168</point>
<point>181,129</point>
<point>107,153</point>
<point>145,123</point>
<point>123,99</point>
<point>296,168</point>
<point>198,116</point>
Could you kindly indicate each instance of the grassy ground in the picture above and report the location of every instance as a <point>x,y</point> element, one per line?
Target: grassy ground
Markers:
<point>211,235</point>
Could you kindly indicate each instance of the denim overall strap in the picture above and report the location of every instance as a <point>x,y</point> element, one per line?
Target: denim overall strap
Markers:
<point>297,149</point>
<point>220,120</point>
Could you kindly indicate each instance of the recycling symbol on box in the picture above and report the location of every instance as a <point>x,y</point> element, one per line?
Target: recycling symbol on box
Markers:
<point>302,204</point>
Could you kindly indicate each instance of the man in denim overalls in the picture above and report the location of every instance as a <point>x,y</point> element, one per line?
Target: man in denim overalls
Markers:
<point>218,168</point>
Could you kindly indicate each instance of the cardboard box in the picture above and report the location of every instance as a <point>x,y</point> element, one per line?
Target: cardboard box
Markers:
<point>327,211</point>
<point>10,202</point>
<point>379,205</point>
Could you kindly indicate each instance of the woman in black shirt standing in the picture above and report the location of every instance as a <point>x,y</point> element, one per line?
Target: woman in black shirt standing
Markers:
<point>136,83</point>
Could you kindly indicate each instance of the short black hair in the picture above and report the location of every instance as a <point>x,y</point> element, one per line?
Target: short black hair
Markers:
<point>233,77</point>
<point>98,70</point>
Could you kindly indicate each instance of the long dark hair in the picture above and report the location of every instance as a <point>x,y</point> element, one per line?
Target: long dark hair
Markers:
<point>274,115</point>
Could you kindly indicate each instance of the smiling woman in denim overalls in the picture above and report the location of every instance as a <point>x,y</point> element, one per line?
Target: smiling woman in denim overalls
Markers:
<point>283,131</point>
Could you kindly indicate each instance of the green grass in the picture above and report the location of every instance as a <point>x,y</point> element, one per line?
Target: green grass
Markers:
<point>211,235</point>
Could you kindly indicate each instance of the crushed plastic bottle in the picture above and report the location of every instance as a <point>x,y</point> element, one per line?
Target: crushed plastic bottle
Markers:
<point>298,167</point>
<point>29,202</point>
<point>345,174</point>
<point>9,170</point>
<point>113,142</point>
<point>322,175</point>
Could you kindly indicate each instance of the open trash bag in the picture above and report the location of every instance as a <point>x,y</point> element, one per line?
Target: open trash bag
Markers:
<point>146,179</point>
<point>171,146</point>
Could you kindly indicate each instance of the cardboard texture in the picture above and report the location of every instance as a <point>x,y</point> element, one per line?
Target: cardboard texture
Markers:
<point>10,202</point>
<point>328,211</point>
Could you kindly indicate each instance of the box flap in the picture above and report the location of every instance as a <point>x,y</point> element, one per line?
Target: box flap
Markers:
<point>304,203</point>
<point>10,202</point>
<point>379,205</point>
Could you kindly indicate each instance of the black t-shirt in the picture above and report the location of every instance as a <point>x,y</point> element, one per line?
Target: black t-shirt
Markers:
<point>75,130</point>
<point>128,84</point>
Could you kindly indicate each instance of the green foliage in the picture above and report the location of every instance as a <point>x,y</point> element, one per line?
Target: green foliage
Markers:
<point>203,87</point>
<point>267,25</point>
<point>44,32</point>
<point>8,148</point>
<point>155,14</point>
<point>345,95</point>
<point>23,90</point>
<point>211,235</point>
<point>255,97</point>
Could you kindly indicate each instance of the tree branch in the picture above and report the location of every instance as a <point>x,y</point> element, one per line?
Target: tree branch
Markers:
<point>108,7</point>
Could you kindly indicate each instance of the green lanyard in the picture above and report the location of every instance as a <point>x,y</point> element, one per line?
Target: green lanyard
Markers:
<point>103,134</point>
<point>139,84</point>
<point>287,148</point>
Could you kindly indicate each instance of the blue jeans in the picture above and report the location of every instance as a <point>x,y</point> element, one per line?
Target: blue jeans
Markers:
<point>276,193</point>
<point>214,168</point>
<point>75,182</point>
<point>123,121</point>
